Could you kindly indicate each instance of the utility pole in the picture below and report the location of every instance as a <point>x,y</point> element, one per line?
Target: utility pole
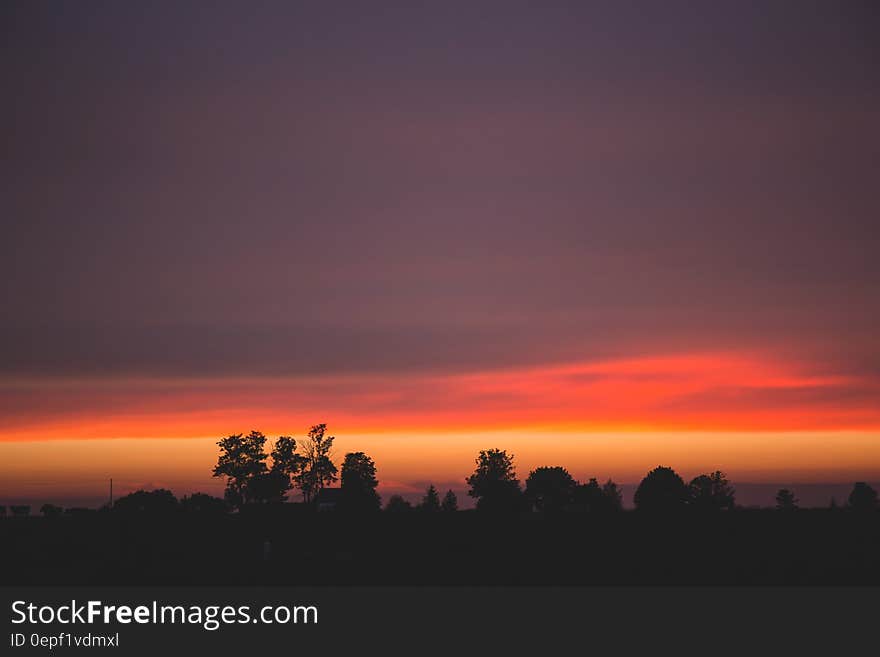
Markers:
<point>111,492</point>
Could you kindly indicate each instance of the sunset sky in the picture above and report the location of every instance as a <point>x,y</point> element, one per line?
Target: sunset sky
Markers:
<point>601,237</point>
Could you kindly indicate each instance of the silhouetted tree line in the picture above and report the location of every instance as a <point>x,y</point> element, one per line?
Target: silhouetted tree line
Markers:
<point>257,477</point>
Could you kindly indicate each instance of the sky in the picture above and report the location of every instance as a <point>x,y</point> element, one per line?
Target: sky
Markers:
<point>604,237</point>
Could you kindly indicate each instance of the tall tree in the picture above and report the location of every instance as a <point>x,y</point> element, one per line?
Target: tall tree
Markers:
<point>286,462</point>
<point>711,492</point>
<point>550,489</point>
<point>862,498</point>
<point>359,483</point>
<point>494,483</point>
<point>449,503</point>
<point>431,500</point>
<point>612,496</point>
<point>317,470</point>
<point>786,501</point>
<point>661,490</point>
<point>241,458</point>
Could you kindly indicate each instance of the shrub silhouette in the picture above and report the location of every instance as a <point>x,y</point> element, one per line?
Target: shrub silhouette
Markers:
<point>396,504</point>
<point>661,490</point>
<point>51,511</point>
<point>203,503</point>
<point>154,502</point>
<point>550,489</point>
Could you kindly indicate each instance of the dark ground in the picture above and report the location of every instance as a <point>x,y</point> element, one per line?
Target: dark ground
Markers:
<point>739,547</point>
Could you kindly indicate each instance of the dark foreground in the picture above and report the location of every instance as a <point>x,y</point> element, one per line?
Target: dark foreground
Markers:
<point>740,547</point>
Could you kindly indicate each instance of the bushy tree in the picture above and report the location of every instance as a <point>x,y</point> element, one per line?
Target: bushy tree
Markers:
<point>285,459</point>
<point>267,487</point>
<point>157,501</point>
<point>785,500</point>
<point>397,504</point>
<point>317,470</point>
<point>862,498</point>
<point>593,498</point>
<point>589,497</point>
<point>612,496</point>
<point>204,504</point>
<point>431,500</point>
<point>494,483</point>
<point>661,490</point>
<point>241,458</point>
<point>711,492</point>
<point>449,503</point>
<point>359,483</point>
<point>550,489</point>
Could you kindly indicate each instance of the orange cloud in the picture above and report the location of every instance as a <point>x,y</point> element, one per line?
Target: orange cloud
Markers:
<point>698,392</point>
<point>756,418</point>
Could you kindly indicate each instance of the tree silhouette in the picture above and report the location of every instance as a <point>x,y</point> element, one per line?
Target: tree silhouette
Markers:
<point>203,503</point>
<point>396,504</point>
<point>711,492</point>
<point>494,483</point>
<point>661,490</point>
<point>359,483</point>
<point>612,496</point>
<point>157,501</point>
<point>51,511</point>
<point>267,487</point>
<point>862,497</point>
<point>241,458</point>
<point>317,469</point>
<point>589,497</point>
<point>431,500</point>
<point>785,500</point>
<point>449,503</point>
<point>593,498</point>
<point>550,489</point>
<point>285,459</point>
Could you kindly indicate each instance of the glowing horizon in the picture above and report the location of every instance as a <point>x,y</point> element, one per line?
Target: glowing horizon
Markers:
<point>757,419</point>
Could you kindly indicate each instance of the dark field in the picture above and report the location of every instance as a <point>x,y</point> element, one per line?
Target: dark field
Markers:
<point>748,547</point>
